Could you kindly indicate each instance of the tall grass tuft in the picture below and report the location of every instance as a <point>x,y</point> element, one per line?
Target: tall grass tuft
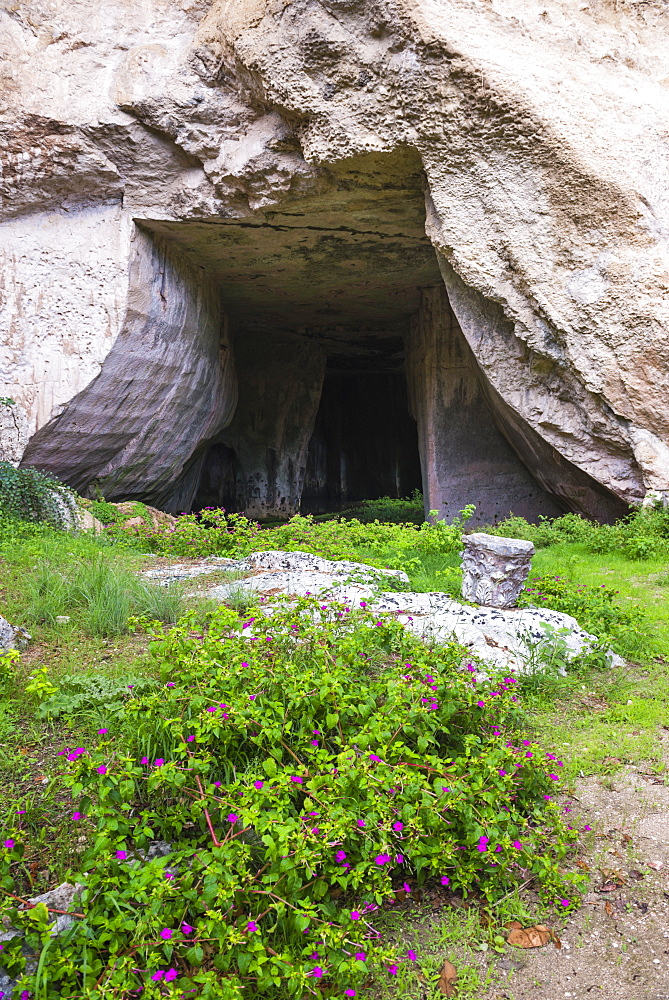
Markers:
<point>101,594</point>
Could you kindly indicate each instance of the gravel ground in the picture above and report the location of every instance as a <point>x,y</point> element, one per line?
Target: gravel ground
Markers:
<point>616,947</point>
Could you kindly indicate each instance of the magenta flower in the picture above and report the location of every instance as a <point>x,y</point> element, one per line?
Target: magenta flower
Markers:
<point>355,915</point>
<point>76,816</point>
<point>340,856</point>
<point>445,880</point>
<point>399,859</point>
<point>9,843</point>
<point>502,772</point>
<point>398,827</point>
<point>316,972</point>
<point>166,933</point>
<point>187,929</point>
<point>392,969</point>
<point>482,844</point>
<point>296,779</point>
<point>159,761</point>
<point>102,769</point>
<point>101,732</point>
<point>157,976</point>
<point>121,855</point>
<point>251,926</point>
<point>411,955</point>
<point>587,828</point>
<point>350,993</point>
<point>170,975</point>
<point>517,844</point>
<point>232,817</point>
<point>375,757</point>
<point>381,859</point>
<point>258,784</point>
<point>360,956</point>
<point>564,902</point>
<point>361,823</point>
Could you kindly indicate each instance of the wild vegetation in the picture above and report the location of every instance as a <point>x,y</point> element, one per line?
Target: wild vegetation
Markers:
<point>249,802</point>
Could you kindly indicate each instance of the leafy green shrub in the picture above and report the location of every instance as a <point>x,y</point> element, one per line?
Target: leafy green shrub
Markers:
<point>643,534</point>
<point>94,696</point>
<point>210,532</point>
<point>303,774</point>
<point>105,512</point>
<point>30,495</point>
<point>547,531</point>
<point>387,510</point>
<point>595,608</point>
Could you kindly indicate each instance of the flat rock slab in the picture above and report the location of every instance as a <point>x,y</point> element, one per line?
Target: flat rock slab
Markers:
<point>502,637</point>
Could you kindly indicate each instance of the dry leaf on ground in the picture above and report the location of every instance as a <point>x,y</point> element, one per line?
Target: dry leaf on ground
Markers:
<point>529,937</point>
<point>447,977</point>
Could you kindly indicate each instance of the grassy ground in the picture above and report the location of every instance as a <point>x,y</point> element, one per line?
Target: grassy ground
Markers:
<point>597,721</point>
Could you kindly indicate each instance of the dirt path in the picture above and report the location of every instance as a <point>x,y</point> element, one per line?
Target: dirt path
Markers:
<point>617,946</point>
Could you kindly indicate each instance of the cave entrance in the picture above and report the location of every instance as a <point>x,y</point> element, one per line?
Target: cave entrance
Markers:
<point>365,442</point>
<point>353,378</point>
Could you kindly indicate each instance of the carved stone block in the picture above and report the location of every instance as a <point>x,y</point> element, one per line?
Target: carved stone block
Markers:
<point>494,569</point>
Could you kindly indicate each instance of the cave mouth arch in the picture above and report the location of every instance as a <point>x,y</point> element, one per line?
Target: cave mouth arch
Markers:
<point>353,377</point>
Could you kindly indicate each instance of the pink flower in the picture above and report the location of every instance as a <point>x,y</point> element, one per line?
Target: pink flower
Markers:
<point>166,933</point>
<point>340,856</point>
<point>101,732</point>
<point>481,704</point>
<point>355,915</point>
<point>411,955</point>
<point>350,993</point>
<point>392,969</point>
<point>296,779</point>
<point>445,880</point>
<point>398,827</point>
<point>564,902</point>
<point>9,843</point>
<point>517,844</point>
<point>361,823</point>
<point>232,817</point>
<point>121,855</point>
<point>187,929</point>
<point>406,887</point>
<point>170,975</point>
<point>251,926</point>
<point>374,757</point>
<point>157,976</point>
<point>502,773</point>
<point>102,769</point>
<point>316,972</point>
<point>360,956</point>
<point>381,859</point>
<point>258,784</point>
<point>76,816</point>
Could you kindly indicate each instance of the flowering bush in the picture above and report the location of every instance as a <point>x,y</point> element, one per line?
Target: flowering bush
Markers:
<point>215,532</point>
<point>296,772</point>
<point>595,608</point>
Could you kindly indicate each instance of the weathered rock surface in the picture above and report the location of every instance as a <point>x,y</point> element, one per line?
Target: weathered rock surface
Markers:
<point>506,639</point>
<point>12,636</point>
<point>494,569</point>
<point>159,156</point>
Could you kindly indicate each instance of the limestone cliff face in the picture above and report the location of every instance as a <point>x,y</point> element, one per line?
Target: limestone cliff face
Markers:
<point>291,160</point>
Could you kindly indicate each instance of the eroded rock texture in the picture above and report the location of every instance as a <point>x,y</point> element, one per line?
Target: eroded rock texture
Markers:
<point>314,171</point>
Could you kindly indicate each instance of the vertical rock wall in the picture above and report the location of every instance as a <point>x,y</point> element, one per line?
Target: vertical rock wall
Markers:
<point>464,457</point>
<point>167,387</point>
<point>280,382</point>
<point>63,287</point>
